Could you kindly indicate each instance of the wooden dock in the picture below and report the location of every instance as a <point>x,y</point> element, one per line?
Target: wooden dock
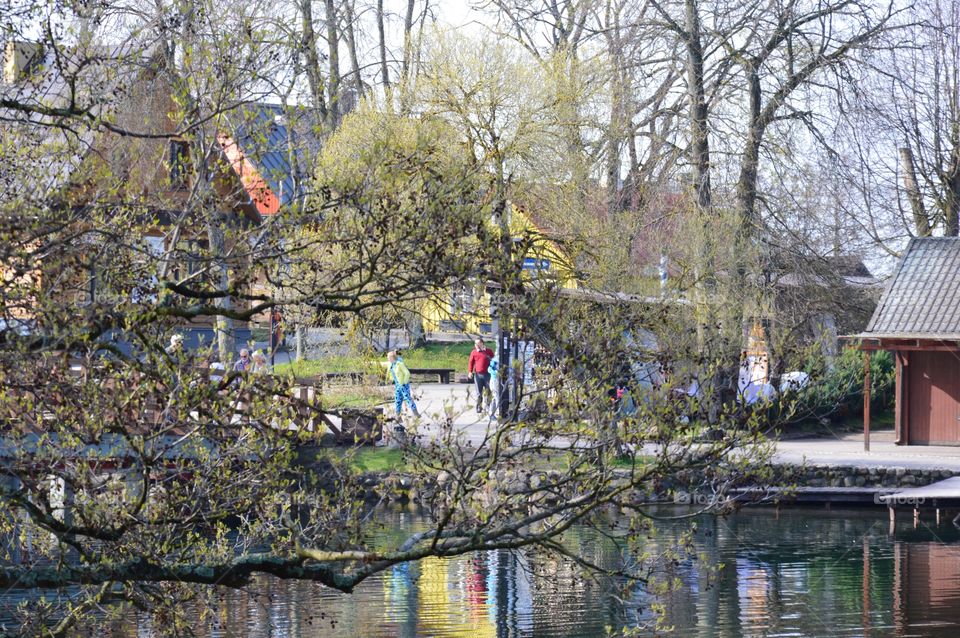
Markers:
<point>945,493</point>
<point>815,495</point>
<point>940,496</point>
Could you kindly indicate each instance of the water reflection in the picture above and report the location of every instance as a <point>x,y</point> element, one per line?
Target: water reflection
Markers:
<point>804,572</point>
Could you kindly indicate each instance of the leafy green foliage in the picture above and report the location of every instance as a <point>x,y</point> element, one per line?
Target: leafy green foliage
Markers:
<point>837,393</point>
<point>433,355</point>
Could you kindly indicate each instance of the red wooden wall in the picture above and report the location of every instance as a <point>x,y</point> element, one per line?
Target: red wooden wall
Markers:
<point>929,397</point>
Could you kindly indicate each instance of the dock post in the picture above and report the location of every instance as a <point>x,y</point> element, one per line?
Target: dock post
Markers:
<point>893,517</point>
<point>916,517</point>
<point>866,400</point>
<point>938,517</point>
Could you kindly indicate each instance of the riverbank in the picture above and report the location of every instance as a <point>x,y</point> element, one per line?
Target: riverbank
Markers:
<point>837,461</point>
<point>384,476</point>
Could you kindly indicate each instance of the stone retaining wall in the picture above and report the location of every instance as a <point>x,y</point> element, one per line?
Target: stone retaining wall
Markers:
<point>387,486</point>
<point>846,476</point>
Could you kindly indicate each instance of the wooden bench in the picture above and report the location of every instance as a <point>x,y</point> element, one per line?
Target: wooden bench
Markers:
<point>442,374</point>
<point>353,377</point>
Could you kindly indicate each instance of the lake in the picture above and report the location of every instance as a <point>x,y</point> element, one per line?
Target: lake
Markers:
<point>802,572</point>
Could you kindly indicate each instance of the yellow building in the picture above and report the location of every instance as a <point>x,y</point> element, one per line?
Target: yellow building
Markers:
<point>466,308</point>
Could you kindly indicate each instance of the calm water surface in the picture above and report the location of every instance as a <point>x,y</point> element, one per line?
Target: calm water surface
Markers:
<point>804,572</point>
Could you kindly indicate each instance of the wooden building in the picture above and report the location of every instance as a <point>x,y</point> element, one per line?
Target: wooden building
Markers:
<point>255,163</point>
<point>918,319</point>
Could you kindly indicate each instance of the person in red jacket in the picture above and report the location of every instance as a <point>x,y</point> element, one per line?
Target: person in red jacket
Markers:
<point>479,369</point>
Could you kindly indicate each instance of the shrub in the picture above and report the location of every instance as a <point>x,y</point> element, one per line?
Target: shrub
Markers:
<point>838,392</point>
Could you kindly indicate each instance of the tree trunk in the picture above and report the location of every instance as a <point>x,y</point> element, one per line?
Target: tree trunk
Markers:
<point>407,61</point>
<point>921,221</point>
<point>750,160</point>
<point>615,132</point>
<point>633,189</point>
<point>312,60</point>
<point>699,156</point>
<point>333,59</point>
<point>951,209</point>
<point>298,333</point>
<point>352,50</point>
<point>750,277</point>
<point>384,69</point>
<point>951,213</point>
<point>407,41</point>
<point>418,336</point>
<point>696,94</point>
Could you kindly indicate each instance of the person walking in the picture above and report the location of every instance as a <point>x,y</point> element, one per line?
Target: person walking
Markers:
<point>215,370</point>
<point>243,363</point>
<point>478,367</point>
<point>494,390</point>
<point>401,383</point>
<point>259,363</point>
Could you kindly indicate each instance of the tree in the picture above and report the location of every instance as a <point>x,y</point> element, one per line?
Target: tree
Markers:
<point>903,130</point>
<point>151,485</point>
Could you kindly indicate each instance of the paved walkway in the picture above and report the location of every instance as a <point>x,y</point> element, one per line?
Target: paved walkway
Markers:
<point>457,400</point>
<point>848,450</point>
<point>438,401</point>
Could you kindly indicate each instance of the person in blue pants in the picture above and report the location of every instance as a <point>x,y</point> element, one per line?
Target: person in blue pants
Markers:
<point>494,389</point>
<point>401,383</point>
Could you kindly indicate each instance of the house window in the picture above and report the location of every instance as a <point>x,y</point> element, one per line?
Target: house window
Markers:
<point>179,164</point>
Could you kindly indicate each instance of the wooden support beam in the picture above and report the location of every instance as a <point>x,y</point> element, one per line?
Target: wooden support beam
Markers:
<point>930,345</point>
<point>898,425</point>
<point>866,400</point>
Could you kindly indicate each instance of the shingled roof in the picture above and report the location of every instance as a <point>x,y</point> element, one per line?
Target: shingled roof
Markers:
<point>280,143</point>
<point>922,300</point>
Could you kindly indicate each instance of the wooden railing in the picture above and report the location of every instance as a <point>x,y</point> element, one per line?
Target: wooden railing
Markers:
<point>346,426</point>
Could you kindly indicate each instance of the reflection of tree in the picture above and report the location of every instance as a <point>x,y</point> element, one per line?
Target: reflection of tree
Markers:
<point>708,601</point>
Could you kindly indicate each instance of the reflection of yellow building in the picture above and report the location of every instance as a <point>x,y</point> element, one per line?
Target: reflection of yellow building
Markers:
<point>450,608</point>
<point>466,308</point>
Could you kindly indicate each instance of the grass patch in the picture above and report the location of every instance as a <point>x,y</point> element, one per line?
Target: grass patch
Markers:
<point>627,462</point>
<point>376,459</point>
<point>369,459</point>
<point>435,355</point>
<point>439,355</point>
<point>335,397</point>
